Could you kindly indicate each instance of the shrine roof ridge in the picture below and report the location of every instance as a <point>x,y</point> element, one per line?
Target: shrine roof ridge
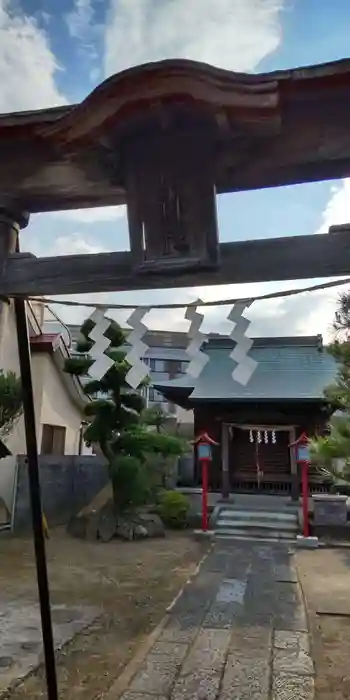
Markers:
<point>315,341</point>
<point>289,369</point>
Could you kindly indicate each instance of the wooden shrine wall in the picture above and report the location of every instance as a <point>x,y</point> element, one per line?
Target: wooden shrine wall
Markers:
<point>209,417</point>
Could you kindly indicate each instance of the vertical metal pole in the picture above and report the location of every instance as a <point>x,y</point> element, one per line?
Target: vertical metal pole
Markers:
<point>35,497</point>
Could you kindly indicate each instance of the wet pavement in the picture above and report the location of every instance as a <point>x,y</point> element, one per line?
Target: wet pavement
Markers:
<point>237,632</point>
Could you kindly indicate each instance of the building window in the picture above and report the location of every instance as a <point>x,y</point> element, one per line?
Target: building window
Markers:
<point>155,396</point>
<point>53,440</point>
<point>156,365</point>
<point>173,366</point>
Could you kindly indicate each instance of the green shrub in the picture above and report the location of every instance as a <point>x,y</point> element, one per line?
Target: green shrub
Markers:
<point>173,509</point>
<point>130,483</point>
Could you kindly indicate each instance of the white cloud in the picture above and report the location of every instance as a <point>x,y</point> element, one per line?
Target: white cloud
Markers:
<point>337,210</point>
<point>90,216</point>
<point>83,27</point>
<point>27,64</point>
<point>79,20</point>
<point>71,244</point>
<point>232,34</point>
<point>74,245</point>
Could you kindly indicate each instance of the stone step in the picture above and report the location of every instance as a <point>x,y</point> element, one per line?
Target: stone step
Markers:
<point>254,533</point>
<point>263,523</point>
<point>229,513</point>
<point>246,538</point>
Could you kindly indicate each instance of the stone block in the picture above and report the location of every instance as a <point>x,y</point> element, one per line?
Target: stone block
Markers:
<point>245,670</point>
<point>291,654</point>
<point>180,630</point>
<point>200,684</point>
<point>172,649</point>
<point>156,675</point>
<point>208,652</point>
<point>307,542</point>
<point>330,509</point>
<point>288,687</point>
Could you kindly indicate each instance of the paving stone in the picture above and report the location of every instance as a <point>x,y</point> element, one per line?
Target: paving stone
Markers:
<point>292,618</point>
<point>291,654</point>
<point>245,671</point>
<point>285,574</point>
<point>201,684</point>
<point>217,644</point>
<point>176,631</point>
<point>171,649</point>
<point>128,695</point>
<point>256,640</point>
<point>222,616</point>
<point>286,687</point>
<point>208,652</point>
<point>231,591</point>
<point>287,592</point>
<point>156,675</point>
<point>286,639</point>
<point>245,693</point>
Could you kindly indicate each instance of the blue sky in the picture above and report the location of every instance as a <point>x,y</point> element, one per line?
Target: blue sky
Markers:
<point>58,50</point>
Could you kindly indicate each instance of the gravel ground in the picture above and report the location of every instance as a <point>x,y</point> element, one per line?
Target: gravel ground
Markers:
<point>325,578</point>
<point>127,586</point>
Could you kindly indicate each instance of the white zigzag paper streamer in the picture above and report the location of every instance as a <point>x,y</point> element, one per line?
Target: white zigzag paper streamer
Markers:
<point>246,366</point>
<point>198,358</point>
<point>139,370</point>
<point>101,363</point>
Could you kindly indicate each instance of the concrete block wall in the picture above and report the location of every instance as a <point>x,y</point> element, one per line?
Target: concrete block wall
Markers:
<point>68,483</point>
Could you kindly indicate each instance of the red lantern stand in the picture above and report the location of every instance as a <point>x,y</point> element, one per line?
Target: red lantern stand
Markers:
<point>302,458</point>
<point>203,444</point>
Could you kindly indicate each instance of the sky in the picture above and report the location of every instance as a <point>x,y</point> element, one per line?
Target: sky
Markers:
<point>54,52</point>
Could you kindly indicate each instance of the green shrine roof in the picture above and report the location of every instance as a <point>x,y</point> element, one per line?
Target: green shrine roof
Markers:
<point>288,369</point>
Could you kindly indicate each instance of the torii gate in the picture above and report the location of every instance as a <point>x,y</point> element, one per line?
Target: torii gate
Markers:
<point>164,139</point>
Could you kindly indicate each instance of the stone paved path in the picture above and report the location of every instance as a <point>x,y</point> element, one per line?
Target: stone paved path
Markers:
<point>237,632</point>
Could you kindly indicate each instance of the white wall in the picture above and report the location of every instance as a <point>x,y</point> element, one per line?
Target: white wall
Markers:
<point>8,467</point>
<point>53,405</point>
<point>57,408</point>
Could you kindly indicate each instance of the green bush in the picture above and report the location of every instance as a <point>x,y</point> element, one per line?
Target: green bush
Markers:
<point>130,483</point>
<point>173,509</point>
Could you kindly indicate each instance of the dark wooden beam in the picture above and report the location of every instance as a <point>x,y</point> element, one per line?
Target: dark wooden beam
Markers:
<point>274,129</point>
<point>292,257</point>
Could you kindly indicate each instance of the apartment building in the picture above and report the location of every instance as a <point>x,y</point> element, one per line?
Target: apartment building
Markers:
<point>166,357</point>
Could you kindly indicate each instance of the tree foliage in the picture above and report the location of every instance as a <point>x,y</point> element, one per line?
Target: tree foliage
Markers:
<point>332,452</point>
<point>10,401</point>
<point>115,419</point>
<point>156,417</point>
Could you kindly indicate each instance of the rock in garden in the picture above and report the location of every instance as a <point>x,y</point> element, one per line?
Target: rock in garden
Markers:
<point>152,523</point>
<point>124,529</point>
<point>107,522</point>
<point>140,532</point>
<point>85,527</point>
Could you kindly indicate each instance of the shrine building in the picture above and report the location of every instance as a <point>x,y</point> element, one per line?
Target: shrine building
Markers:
<point>255,424</point>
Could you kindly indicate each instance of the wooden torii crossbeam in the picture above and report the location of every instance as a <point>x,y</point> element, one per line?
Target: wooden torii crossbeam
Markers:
<point>164,139</point>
